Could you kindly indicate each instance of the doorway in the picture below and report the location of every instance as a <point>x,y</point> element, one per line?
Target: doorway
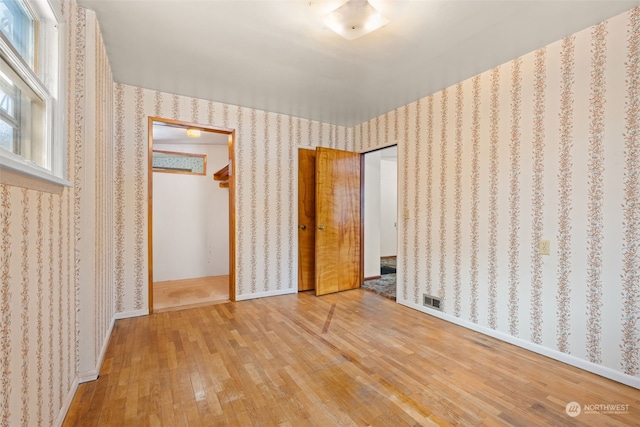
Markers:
<point>191,215</point>
<point>381,221</point>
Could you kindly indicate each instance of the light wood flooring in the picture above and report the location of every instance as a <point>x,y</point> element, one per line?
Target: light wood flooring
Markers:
<point>352,358</point>
<point>174,295</point>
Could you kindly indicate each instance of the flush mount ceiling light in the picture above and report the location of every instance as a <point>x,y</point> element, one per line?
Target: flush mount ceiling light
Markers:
<point>351,18</point>
<point>193,133</point>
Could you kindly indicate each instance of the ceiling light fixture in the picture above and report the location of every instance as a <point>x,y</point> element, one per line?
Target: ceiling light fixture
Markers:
<point>351,18</point>
<point>193,133</point>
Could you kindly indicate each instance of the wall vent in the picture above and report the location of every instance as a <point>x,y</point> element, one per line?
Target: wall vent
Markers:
<point>431,301</point>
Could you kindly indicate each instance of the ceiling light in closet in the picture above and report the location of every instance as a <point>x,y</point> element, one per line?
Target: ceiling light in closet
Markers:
<point>193,133</point>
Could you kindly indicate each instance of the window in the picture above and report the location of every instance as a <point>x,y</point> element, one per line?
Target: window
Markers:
<point>31,132</point>
<point>21,117</point>
<point>18,26</point>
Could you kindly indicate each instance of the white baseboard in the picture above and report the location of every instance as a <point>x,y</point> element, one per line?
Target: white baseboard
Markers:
<point>266,294</point>
<point>90,375</point>
<point>94,373</point>
<point>128,314</point>
<point>66,403</point>
<point>603,371</point>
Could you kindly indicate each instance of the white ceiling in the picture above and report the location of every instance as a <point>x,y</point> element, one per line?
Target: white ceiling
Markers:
<point>273,55</point>
<point>175,134</point>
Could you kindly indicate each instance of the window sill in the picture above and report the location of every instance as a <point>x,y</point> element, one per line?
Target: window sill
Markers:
<point>17,172</point>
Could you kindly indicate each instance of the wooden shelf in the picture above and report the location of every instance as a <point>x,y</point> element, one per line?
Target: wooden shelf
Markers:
<point>222,175</point>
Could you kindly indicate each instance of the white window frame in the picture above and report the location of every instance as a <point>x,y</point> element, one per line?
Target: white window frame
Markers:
<point>48,82</point>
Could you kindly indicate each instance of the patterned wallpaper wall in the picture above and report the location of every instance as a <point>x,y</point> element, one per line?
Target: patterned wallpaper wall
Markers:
<point>43,261</point>
<point>266,194</point>
<point>544,147</point>
<point>94,213</point>
<point>37,300</point>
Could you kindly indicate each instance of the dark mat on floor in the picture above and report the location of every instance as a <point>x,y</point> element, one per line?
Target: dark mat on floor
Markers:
<point>384,286</point>
<point>387,270</point>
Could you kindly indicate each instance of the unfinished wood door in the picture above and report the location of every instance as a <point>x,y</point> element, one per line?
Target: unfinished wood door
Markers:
<point>337,220</point>
<point>306,219</point>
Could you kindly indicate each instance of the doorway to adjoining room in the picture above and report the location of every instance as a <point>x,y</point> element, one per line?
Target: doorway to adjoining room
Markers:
<point>190,227</point>
<point>381,221</point>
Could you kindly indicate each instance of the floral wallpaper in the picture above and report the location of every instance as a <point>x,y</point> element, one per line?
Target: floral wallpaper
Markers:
<point>565,193</point>
<point>266,194</point>
<point>596,193</point>
<point>546,146</point>
<point>56,269</point>
<point>630,345</point>
<point>537,193</point>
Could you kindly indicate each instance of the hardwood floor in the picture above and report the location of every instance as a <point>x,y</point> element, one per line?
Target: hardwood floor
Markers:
<point>352,358</point>
<point>174,295</point>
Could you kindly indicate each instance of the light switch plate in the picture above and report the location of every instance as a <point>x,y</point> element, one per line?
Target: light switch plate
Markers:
<point>544,247</point>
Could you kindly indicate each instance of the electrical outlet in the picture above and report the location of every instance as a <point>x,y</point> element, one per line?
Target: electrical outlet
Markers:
<point>544,247</point>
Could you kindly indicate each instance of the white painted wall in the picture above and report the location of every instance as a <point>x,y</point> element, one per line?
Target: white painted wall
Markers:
<point>190,219</point>
<point>372,214</point>
<point>380,208</point>
<point>388,207</point>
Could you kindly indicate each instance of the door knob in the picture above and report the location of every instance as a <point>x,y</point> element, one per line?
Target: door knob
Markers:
<point>303,227</point>
<point>321,227</point>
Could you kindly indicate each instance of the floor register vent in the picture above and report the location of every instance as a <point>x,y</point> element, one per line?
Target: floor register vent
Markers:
<point>431,301</point>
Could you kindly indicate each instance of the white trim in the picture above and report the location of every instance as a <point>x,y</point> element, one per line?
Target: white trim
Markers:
<point>66,404</point>
<point>380,147</point>
<point>45,11</point>
<point>23,70</point>
<point>86,376</point>
<point>50,44</point>
<point>603,371</point>
<point>129,314</point>
<point>93,374</point>
<point>59,131</point>
<point>266,294</point>
<point>20,165</point>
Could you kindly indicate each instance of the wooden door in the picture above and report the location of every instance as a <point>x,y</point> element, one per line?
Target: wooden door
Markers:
<point>306,219</point>
<point>337,220</point>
